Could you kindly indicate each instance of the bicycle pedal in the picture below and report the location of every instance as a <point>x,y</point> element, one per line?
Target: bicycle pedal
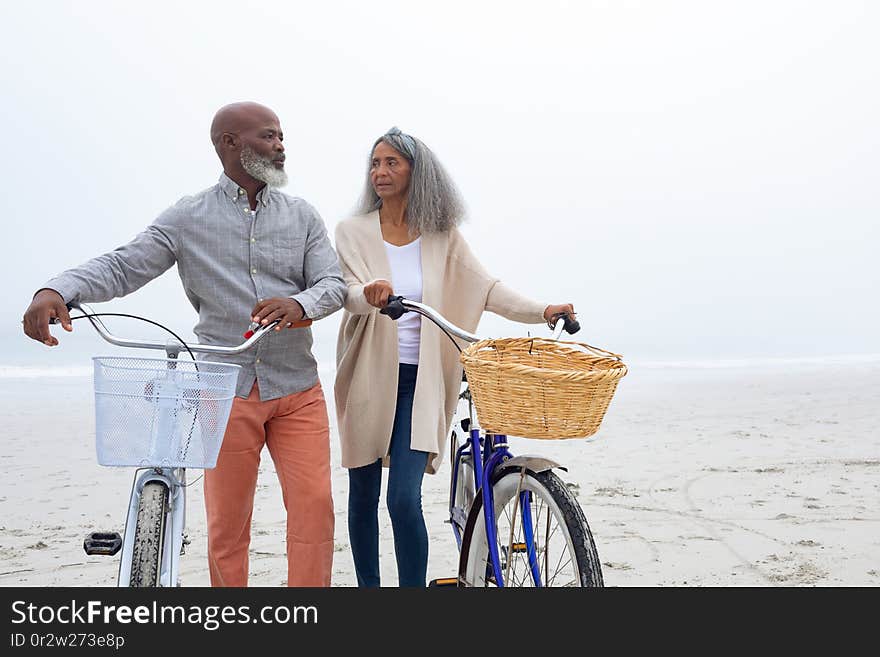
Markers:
<point>444,581</point>
<point>102,543</point>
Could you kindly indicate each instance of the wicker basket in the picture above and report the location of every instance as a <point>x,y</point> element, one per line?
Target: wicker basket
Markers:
<point>541,388</point>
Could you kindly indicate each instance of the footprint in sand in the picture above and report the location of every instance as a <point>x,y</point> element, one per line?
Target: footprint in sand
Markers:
<point>617,566</point>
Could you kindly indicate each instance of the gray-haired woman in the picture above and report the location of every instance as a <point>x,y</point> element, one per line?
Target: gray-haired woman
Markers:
<point>397,383</point>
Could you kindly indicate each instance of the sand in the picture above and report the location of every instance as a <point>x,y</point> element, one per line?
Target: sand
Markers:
<point>759,474</point>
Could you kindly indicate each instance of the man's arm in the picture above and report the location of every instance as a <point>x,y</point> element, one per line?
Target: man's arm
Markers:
<point>119,272</point>
<point>114,274</point>
<point>325,287</point>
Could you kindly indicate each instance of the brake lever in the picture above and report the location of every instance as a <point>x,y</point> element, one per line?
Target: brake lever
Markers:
<point>254,327</point>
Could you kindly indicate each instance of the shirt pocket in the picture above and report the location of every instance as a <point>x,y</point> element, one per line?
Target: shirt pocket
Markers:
<point>288,258</point>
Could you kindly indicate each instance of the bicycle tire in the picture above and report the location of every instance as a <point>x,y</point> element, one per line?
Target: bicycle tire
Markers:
<point>149,535</point>
<point>553,500</point>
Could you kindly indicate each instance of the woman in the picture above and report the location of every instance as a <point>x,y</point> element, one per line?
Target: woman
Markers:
<point>397,383</point>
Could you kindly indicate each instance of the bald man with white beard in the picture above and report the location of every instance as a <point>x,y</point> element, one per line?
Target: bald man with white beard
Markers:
<point>245,252</point>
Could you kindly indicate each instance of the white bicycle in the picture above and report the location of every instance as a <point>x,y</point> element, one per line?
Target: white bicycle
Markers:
<point>162,416</point>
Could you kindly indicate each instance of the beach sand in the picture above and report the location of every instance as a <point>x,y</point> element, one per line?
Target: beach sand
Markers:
<point>730,476</point>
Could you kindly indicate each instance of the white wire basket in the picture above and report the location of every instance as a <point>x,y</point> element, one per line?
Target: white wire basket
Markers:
<point>157,412</point>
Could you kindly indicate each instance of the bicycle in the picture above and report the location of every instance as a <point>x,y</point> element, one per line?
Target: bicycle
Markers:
<point>516,523</point>
<point>161,416</point>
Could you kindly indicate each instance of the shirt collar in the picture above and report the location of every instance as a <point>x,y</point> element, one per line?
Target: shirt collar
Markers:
<point>233,191</point>
<point>263,195</point>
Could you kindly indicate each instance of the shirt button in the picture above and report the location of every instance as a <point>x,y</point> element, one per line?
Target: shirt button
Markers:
<point>259,301</point>
<point>240,191</point>
<point>253,271</point>
<point>253,241</point>
<point>247,210</point>
<point>258,361</point>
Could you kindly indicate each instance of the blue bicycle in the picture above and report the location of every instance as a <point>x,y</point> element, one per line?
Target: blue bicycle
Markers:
<point>515,521</point>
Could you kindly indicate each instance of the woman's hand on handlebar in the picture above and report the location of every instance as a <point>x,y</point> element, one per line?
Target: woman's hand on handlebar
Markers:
<point>377,293</point>
<point>47,304</point>
<point>554,311</point>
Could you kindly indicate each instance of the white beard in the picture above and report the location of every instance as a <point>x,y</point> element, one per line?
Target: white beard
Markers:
<point>262,168</point>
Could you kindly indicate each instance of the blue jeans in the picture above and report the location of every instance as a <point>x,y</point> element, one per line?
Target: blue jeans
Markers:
<point>404,499</point>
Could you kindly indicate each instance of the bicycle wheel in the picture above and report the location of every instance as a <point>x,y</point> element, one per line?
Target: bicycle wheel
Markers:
<point>149,535</point>
<point>564,552</point>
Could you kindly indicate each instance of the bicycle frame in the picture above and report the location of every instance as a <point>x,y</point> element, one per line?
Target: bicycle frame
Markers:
<point>174,540</point>
<point>487,454</point>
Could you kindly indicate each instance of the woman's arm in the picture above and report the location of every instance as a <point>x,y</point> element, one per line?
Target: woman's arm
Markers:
<point>502,299</point>
<point>355,301</point>
<point>505,301</point>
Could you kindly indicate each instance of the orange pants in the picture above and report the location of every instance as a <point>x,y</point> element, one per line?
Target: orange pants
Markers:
<point>296,431</point>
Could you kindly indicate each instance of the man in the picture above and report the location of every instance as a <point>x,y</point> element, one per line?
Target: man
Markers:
<point>244,251</point>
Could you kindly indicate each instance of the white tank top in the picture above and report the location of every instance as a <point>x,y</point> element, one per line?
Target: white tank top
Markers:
<point>406,279</point>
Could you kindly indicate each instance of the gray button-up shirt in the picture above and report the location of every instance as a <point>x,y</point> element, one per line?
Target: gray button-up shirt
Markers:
<point>229,257</point>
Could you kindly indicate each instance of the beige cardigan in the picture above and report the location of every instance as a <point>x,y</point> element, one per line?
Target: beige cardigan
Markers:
<point>456,285</point>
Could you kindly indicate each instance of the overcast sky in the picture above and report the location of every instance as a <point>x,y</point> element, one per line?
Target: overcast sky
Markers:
<point>699,178</point>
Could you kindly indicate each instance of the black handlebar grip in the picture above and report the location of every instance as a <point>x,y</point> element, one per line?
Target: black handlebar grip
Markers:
<point>570,325</point>
<point>394,309</point>
<point>70,306</point>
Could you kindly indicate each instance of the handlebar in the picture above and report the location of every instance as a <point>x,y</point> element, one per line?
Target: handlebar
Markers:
<point>171,346</point>
<point>397,306</point>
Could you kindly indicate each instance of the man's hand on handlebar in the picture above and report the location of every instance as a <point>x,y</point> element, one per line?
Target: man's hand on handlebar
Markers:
<point>377,293</point>
<point>47,304</point>
<point>286,310</point>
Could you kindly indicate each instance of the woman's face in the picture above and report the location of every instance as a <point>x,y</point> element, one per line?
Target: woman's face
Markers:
<point>389,172</point>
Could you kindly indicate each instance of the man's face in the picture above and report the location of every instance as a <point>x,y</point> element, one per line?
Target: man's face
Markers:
<point>262,150</point>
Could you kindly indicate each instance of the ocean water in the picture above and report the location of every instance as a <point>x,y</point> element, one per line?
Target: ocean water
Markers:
<point>68,370</point>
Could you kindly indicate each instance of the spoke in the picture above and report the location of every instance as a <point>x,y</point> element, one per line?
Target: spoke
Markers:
<point>559,567</point>
<point>514,574</point>
<point>512,520</point>
<point>555,526</point>
<point>565,551</point>
<point>511,574</point>
<point>539,551</point>
<point>520,538</point>
<point>547,547</point>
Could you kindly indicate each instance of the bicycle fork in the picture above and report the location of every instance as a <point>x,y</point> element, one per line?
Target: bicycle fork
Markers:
<point>498,452</point>
<point>484,472</point>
